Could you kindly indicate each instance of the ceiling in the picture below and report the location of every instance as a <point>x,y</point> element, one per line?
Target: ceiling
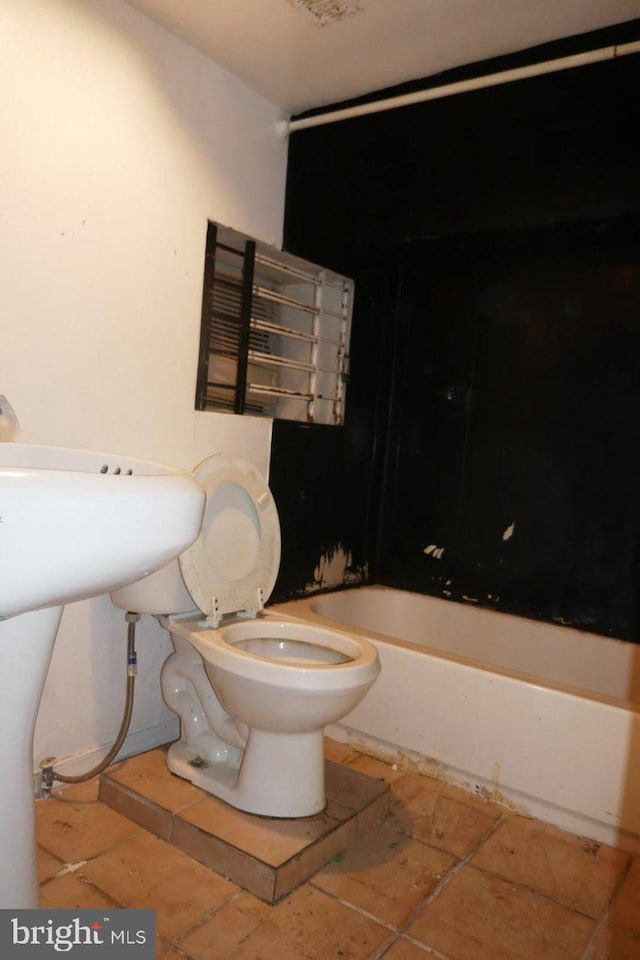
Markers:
<point>299,60</point>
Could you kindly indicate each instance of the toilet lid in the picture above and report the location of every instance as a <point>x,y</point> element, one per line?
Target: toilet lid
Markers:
<point>233,565</point>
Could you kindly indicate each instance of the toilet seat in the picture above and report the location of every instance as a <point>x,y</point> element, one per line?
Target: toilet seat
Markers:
<point>232,566</point>
<point>235,648</point>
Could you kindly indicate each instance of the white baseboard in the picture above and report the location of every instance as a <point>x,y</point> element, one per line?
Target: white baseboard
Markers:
<point>137,742</point>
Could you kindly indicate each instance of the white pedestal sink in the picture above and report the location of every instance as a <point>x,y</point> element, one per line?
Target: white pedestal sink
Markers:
<point>73,524</point>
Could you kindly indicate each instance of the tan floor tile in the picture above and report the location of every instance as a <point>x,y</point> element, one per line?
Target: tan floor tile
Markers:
<point>351,791</point>
<point>165,949</point>
<point>148,873</point>
<point>626,908</point>
<point>273,841</point>
<point>338,811</point>
<point>308,925</point>
<point>614,943</point>
<point>48,866</point>
<point>376,768</point>
<point>437,813</point>
<point>338,752</point>
<point>84,791</point>
<point>575,872</point>
<point>480,917</point>
<point>149,776</point>
<point>372,814</point>
<point>169,954</point>
<point>350,787</point>
<point>78,829</point>
<point>71,892</point>
<point>385,873</point>
<point>405,950</point>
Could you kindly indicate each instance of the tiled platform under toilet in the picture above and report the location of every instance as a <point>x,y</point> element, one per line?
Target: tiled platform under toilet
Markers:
<point>268,857</point>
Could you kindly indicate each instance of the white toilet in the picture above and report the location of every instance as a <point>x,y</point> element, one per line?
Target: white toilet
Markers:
<point>253,690</point>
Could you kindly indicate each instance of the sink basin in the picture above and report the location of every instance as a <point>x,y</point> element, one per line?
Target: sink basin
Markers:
<point>75,523</point>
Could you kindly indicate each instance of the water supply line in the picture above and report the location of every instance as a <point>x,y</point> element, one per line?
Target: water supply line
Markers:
<point>462,86</point>
<point>49,775</point>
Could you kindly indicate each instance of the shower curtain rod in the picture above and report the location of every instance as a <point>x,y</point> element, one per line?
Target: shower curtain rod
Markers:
<point>462,86</point>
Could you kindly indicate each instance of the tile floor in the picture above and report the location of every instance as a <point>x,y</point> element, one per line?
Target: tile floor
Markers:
<point>443,874</point>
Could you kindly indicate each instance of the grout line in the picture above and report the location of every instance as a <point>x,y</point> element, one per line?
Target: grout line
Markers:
<point>546,896</point>
<point>200,922</point>
<point>62,872</point>
<point>399,931</point>
<point>536,893</point>
<point>590,948</point>
<point>430,951</point>
<point>346,903</point>
<point>454,871</point>
<point>595,933</point>
<point>71,867</point>
<point>349,759</point>
<point>436,845</point>
<point>95,886</point>
<point>381,951</point>
<point>176,948</point>
<point>41,845</point>
<point>442,885</point>
<point>119,843</point>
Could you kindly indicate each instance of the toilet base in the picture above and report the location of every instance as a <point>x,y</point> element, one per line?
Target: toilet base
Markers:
<point>279,775</point>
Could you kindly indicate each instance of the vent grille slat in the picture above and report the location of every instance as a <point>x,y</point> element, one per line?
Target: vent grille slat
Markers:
<point>275,333</point>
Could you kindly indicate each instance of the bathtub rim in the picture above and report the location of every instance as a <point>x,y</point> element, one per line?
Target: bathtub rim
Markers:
<point>290,609</point>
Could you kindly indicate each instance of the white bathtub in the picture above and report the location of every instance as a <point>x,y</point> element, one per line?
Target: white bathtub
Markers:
<point>541,717</point>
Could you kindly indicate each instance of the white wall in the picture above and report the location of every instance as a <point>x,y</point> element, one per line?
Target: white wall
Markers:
<point>118,142</point>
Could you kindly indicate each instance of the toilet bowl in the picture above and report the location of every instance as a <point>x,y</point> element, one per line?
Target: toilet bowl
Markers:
<point>253,690</point>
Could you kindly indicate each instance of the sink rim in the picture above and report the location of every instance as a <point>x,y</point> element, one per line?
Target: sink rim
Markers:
<point>61,460</point>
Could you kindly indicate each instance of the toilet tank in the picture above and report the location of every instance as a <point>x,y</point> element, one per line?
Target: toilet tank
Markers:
<point>161,592</point>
